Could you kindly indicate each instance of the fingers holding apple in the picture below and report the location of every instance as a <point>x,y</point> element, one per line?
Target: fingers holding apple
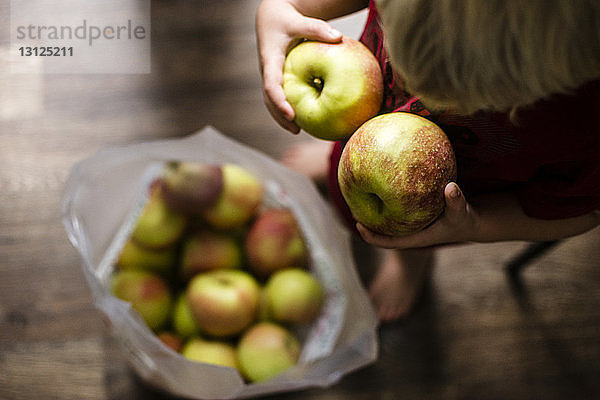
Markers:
<point>279,26</point>
<point>459,212</point>
<point>277,105</point>
<point>455,224</point>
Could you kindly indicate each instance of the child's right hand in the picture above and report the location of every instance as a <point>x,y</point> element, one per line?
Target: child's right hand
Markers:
<point>279,27</point>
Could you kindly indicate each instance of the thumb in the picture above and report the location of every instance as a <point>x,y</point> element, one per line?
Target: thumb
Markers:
<point>317,29</point>
<point>455,201</point>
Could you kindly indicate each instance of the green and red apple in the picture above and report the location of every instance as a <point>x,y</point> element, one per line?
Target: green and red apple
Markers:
<point>171,340</point>
<point>332,87</point>
<point>393,171</point>
<point>223,302</point>
<point>275,241</point>
<point>266,350</point>
<point>293,296</point>
<point>208,250</point>
<point>148,294</point>
<point>182,319</point>
<point>134,256</point>
<point>239,200</point>
<point>158,226</point>
<point>189,187</point>
<point>214,352</point>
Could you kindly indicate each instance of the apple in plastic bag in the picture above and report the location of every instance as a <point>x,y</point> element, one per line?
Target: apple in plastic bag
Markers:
<point>189,187</point>
<point>266,350</point>
<point>223,302</point>
<point>239,201</point>
<point>293,296</point>
<point>206,250</point>
<point>214,352</point>
<point>171,340</point>
<point>134,256</point>
<point>274,241</point>
<point>158,226</point>
<point>182,318</point>
<point>148,294</point>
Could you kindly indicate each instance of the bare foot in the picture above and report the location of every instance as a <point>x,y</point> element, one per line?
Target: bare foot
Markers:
<point>310,158</point>
<point>398,282</point>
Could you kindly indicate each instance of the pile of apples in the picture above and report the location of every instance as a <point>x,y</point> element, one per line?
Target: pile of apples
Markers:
<point>220,277</point>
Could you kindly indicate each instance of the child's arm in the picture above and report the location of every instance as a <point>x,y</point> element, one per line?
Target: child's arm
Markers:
<point>279,25</point>
<point>490,218</point>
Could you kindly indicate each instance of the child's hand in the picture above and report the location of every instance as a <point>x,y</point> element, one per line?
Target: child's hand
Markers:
<point>280,26</point>
<point>456,224</point>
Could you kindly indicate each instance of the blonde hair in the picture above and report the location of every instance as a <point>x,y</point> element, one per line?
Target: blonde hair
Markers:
<point>492,54</point>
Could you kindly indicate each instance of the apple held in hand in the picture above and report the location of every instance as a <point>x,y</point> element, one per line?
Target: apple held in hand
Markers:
<point>266,350</point>
<point>148,294</point>
<point>274,241</point>
<point>293,296</point>
<point>223,302</point>
<point>188,187</point>
<point>333,88</point>
<point>393,171</point>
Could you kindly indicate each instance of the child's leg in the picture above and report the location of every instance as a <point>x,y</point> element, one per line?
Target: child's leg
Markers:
<point>398,282</point>
<point>310,159</point>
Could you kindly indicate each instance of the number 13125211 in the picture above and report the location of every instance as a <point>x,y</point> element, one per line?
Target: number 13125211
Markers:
<point>46,51</point>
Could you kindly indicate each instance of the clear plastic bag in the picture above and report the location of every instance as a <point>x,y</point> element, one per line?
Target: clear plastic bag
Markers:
<point>103,197</point>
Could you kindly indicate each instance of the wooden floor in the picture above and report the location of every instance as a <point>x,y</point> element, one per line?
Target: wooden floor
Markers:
<point>474,335</point>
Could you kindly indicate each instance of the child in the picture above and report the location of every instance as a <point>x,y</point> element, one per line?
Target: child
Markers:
<point>515,86</point>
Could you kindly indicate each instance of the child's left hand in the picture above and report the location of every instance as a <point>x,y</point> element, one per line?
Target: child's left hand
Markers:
<point>457,224</point>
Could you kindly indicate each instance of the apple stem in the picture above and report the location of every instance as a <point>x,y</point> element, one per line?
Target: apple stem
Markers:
<point>317,84</point>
